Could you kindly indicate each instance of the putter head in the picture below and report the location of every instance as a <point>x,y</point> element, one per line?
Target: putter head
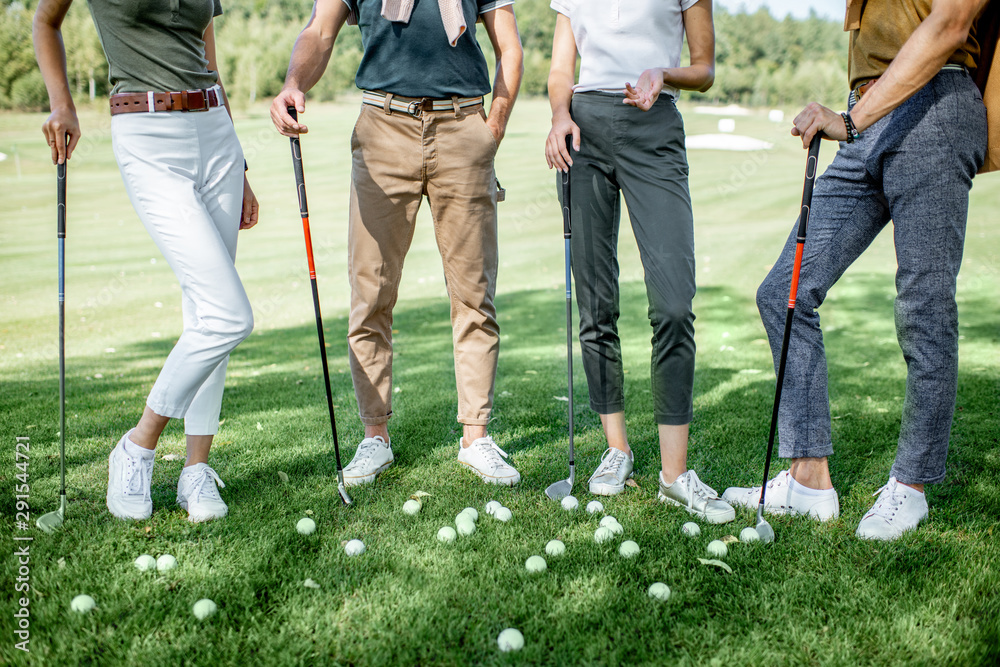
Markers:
<point>763,528</point>
<point>50,522</point>
<point>342,490</point>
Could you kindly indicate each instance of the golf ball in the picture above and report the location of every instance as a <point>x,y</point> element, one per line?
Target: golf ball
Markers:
<point>717,548</point>
<point>628,549</point>
<point>447,535</point>
<point>203,608</point>
<point>492,507</point>
<point>503,514</point>
<point>145,562</point>
<point>535,564</point>
<point>306,526</point>
<point>472,512</point>
<point>603,534</point>
<point>659,591</point>
<point>354,548</point>
<point>595,506</point>
<point>510,640</point>
<point>749,534</point>
<point>615,527</point>
<point>555,548</point>
<point>465,526</point>
<point>570,503</point>
<point>82,604</point>
<point>166,562</point>
<point>411,507</point>
<point>691,528</point>
<point>608,520</point>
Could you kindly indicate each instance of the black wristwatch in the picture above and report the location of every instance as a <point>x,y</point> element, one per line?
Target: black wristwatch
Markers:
<point>852,131</point>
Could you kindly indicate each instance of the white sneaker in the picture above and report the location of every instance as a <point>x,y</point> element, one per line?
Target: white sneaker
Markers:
<point>198,494</point>
<point>485,459</point>
<point>609,478</point>
<point>898,509</point>
<point>696,497</point>
<point>129,480</point>
<point>372,457</point>
<point>786,496</point>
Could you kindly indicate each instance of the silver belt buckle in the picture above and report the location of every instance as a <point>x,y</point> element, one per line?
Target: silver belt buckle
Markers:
<point>414,108</point>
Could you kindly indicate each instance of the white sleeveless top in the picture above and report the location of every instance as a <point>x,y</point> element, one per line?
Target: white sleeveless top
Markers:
<point>619,39</point>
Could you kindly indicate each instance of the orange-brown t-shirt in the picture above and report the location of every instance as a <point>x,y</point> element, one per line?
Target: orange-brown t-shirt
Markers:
<point>885,26</point>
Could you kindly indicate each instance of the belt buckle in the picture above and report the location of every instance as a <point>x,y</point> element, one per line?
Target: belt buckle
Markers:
<point>200,94</point>
<point>415,108</point>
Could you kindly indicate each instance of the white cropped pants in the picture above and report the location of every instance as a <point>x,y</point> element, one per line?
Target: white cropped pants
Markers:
<point>183,172</point>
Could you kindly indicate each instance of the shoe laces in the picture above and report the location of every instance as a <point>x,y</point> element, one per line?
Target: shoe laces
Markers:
<point>367,449</point>
<point>890,499</point>
<point>204,484</point>
<point>137,474</point>
<point>491,452</point>
<point>610,464</point>
<point>696,487</point>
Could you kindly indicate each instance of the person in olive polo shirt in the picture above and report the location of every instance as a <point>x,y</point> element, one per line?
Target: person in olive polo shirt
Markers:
<point>422,131</point>
<point>912,139</point>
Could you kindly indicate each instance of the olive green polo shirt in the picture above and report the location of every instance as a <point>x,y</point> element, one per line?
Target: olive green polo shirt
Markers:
<point>155,45</point>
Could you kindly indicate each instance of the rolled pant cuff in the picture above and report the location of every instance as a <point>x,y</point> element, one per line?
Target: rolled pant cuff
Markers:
<point>675,419</point>
<point>200,429</point>
<point>375,421</point>
<point>814,452</point>
<point>171,412</point>
<point>607,408</point>
<point>906,477</point>
<point>469,421</point>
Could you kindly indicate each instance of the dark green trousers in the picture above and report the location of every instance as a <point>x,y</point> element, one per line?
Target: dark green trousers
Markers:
<point>641,155</point>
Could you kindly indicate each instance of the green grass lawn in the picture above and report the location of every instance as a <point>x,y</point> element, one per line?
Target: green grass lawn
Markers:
<point>816,596</point>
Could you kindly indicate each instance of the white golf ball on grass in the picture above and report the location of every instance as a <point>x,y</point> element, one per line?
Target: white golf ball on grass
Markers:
<point>608,520</point>
<point>145,562</point>
<point>595,506</point>
<point>570,503</point>
<point>447,535</point>
<point>659,591</point>
<point>492,506</point>
<point>535,564</point>
<point>691,529</point>
<point>465,526</point>
<point>749,534</point>
<point>354,548</point>
<point>165,563</point>
<point>628,549</point>
<point>510,639</point>
<point>411,507</point>
<point>503,514</point>
<point>204,608</point>
<point>555,548</point>
<point>717,548</point>
<point>603,534</point>
<point>615,528</point>
<point>306,526</point>
<point>472,513</point>
<point>82,604</point>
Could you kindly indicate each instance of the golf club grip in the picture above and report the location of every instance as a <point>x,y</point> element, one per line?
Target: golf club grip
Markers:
<point>300,178</point>
<point>61,200</point>
<point>564,180</point>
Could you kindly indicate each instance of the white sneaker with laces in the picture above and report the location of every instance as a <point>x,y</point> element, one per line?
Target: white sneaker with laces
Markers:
<point>899,508</point>
<point>786,496</point>
<point>373,456</point>
<point>696,497</point>
<point>485,459</point>
<point>609,478</point>
<point>198,494</point>
<point>129,481</point>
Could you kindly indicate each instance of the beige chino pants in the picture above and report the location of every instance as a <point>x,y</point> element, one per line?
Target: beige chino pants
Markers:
<point>398,158</point>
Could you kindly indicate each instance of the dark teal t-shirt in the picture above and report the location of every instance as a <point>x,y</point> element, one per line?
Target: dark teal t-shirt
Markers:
<point>155,45</point>
<point>415,59</point>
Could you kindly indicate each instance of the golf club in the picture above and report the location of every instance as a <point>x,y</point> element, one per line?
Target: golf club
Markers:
<point>763,527</point>
<point>562,488</point>
<point>49,522</point>
<point>300,182</point>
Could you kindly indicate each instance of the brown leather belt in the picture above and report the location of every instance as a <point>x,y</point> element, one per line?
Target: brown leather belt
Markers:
<point>185,100</point>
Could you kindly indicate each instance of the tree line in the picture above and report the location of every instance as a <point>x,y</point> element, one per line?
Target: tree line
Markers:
<point>760,60</point>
